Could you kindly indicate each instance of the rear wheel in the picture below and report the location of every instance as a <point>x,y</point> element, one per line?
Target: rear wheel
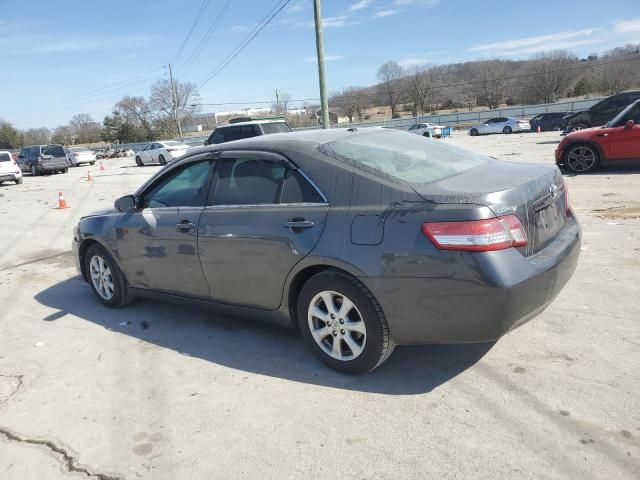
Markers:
<point>582,158</point>
<point>139,161</point>
<point>507,130</point>
<point>34,171</point>
<point>162,160</point>
<point>342,323</point>
<point>64,170</point>
<point>106,279</point>
<point>18,181</point>
<point>474,132</point>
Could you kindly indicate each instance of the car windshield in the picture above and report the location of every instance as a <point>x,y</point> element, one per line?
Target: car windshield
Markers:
<point>5,157</point>
<point>402,156</point>
<point>53,150</point>
<point>175,144</point>
<point>279,127</point>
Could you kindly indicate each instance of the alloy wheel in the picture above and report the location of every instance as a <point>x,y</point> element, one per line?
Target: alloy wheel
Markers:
<point>101,277</point>
<point>337,325</point>
<point>581,159</point>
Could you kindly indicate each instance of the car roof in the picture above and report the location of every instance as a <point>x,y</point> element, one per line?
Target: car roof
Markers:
<point>250,122</point>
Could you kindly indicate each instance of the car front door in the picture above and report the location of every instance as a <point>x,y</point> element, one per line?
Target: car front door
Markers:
<point>157,242</point>
<point>624,141</point>
<point>262,218</point>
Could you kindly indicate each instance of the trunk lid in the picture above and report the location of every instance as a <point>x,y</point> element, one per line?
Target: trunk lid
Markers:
<point>534,193</point>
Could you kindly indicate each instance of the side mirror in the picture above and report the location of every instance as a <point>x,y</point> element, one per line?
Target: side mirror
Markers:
<point>629,124</point>
<point>126,203</point>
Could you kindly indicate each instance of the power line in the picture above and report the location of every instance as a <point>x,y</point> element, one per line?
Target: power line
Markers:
<point>197,51</point>
<point>245,42</point>
<point>203,7</point>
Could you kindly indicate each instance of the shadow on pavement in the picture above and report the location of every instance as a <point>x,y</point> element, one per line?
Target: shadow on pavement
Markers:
<point>254,346</point>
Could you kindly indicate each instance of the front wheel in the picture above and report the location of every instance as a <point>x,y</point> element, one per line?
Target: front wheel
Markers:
<point>342,323</point>
<point>582,159</point>
<point>138,161</point>
<point>507,130</point>
<point>474,132</point>
<point>106,279</point>
<point>162,160</point>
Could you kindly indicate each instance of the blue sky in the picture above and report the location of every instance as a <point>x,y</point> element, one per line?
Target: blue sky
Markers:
<point>58,58</point>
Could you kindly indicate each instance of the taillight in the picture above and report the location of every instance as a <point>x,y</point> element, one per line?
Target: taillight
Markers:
<point>477,235</point>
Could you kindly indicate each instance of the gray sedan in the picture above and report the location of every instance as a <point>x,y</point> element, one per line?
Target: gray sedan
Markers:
<point>362,240</point>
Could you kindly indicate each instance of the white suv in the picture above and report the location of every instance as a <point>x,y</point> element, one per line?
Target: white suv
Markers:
<point>9,170</point>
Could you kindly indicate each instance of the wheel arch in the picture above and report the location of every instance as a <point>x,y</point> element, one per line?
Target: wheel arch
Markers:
<point>82,251</point>
<point>301,275</point>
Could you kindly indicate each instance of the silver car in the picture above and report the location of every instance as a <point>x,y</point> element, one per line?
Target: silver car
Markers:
<point>500,125</point>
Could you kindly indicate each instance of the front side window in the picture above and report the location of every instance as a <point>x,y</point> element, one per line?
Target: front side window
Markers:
<point>186,187</point>
<point>415,127</point>
<point>249,182</point>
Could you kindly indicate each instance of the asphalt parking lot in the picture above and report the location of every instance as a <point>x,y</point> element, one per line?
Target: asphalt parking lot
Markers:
<point>171,392</point>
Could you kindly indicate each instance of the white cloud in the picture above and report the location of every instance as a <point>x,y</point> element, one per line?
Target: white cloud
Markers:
<point>553,46</point>
<point>557,39</point>
<point>297,6</point>
<point>327,58</point>
<point>415,3</point>
<point>412,60</point>
<point>625,26</point>
<point>361,4</point>
<point>386,13</point>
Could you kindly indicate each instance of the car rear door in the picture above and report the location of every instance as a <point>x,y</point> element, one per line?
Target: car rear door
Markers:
<point>263,216</point>
<point>624,141</point>
<point>157,242</point>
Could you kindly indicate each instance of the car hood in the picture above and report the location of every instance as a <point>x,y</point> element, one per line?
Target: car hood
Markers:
<point>583,134</point>
<point>573,115</point>
<point>101,213</point>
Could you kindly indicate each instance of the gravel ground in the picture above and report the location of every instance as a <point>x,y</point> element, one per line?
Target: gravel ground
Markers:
<point>87,391</point>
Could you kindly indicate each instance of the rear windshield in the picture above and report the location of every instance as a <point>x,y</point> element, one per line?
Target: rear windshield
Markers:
<point>53,150</point>
<point>5,157</point>
<point>403,156</point>
<point>279,127</point>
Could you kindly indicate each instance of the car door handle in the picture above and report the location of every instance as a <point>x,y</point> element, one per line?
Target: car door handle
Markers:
<point>185,226</point>
<point>299,224</point>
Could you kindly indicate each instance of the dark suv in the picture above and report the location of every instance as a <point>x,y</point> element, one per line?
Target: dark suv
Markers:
<point>237,131</point>
<point>39,159</point>
<point>548,121</point>
<point>601,112</point>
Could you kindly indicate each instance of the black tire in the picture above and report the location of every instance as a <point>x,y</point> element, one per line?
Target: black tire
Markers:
<point>507,130</point>
<point>426,134</point>
<point>64,170</point>
<point>139,161</point>
<point>121,297</point>
<point>18,181</point>
<point>578,126</point>
<point>473,132</point>
<point>378,344</point>
<point>34,171</point>
<point>581,158</point>
<point>92,163</point>
<point>162,160</point>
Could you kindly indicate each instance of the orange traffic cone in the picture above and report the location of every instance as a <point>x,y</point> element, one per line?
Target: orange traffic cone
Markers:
<point>89,177</point>
<point>539,130</point>
<point>62,203</point>
<point>102,169</point>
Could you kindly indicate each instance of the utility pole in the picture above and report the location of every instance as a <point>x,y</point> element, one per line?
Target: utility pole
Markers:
<point>175,102</point>
<point>277,98</point>
<point>324,104</point>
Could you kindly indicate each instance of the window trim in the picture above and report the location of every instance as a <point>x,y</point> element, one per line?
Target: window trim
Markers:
<point>261,155</point>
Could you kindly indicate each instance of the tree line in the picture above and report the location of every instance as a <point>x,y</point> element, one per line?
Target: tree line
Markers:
<point>544,78</point>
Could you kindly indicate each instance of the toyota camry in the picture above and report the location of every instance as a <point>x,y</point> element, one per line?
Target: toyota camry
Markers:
<point>361,239</point>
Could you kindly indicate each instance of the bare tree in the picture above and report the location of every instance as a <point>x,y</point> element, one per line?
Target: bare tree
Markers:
<point>550,75</point>
<point>424,83</point>
<point>351,102</point>
<point>489,82</point>
<point>615,77</point>
<point>171,103</point>
<point>282,104</point>
<point>389,75</point>
<point>137,111</point>
<point>84,129</point>
<point>35,136</point>
<point>63,135</point>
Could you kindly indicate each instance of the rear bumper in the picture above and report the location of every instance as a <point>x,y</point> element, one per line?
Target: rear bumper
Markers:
<point>53,165</point>
<point>489,294</point>
<point>10,176</point>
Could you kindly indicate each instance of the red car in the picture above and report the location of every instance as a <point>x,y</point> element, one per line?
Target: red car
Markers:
<point>619,140</point>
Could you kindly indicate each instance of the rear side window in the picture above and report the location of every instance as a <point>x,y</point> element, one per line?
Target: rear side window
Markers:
<point>279,127</point>
<point>53,150</point>
<point>249,182</point>
<point>5,157</point>
<point>402,156</point>
<point>248,131</point>
<point>297,189</point>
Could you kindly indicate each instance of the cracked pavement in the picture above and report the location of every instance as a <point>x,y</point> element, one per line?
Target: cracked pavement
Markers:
<point>86,391</point>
